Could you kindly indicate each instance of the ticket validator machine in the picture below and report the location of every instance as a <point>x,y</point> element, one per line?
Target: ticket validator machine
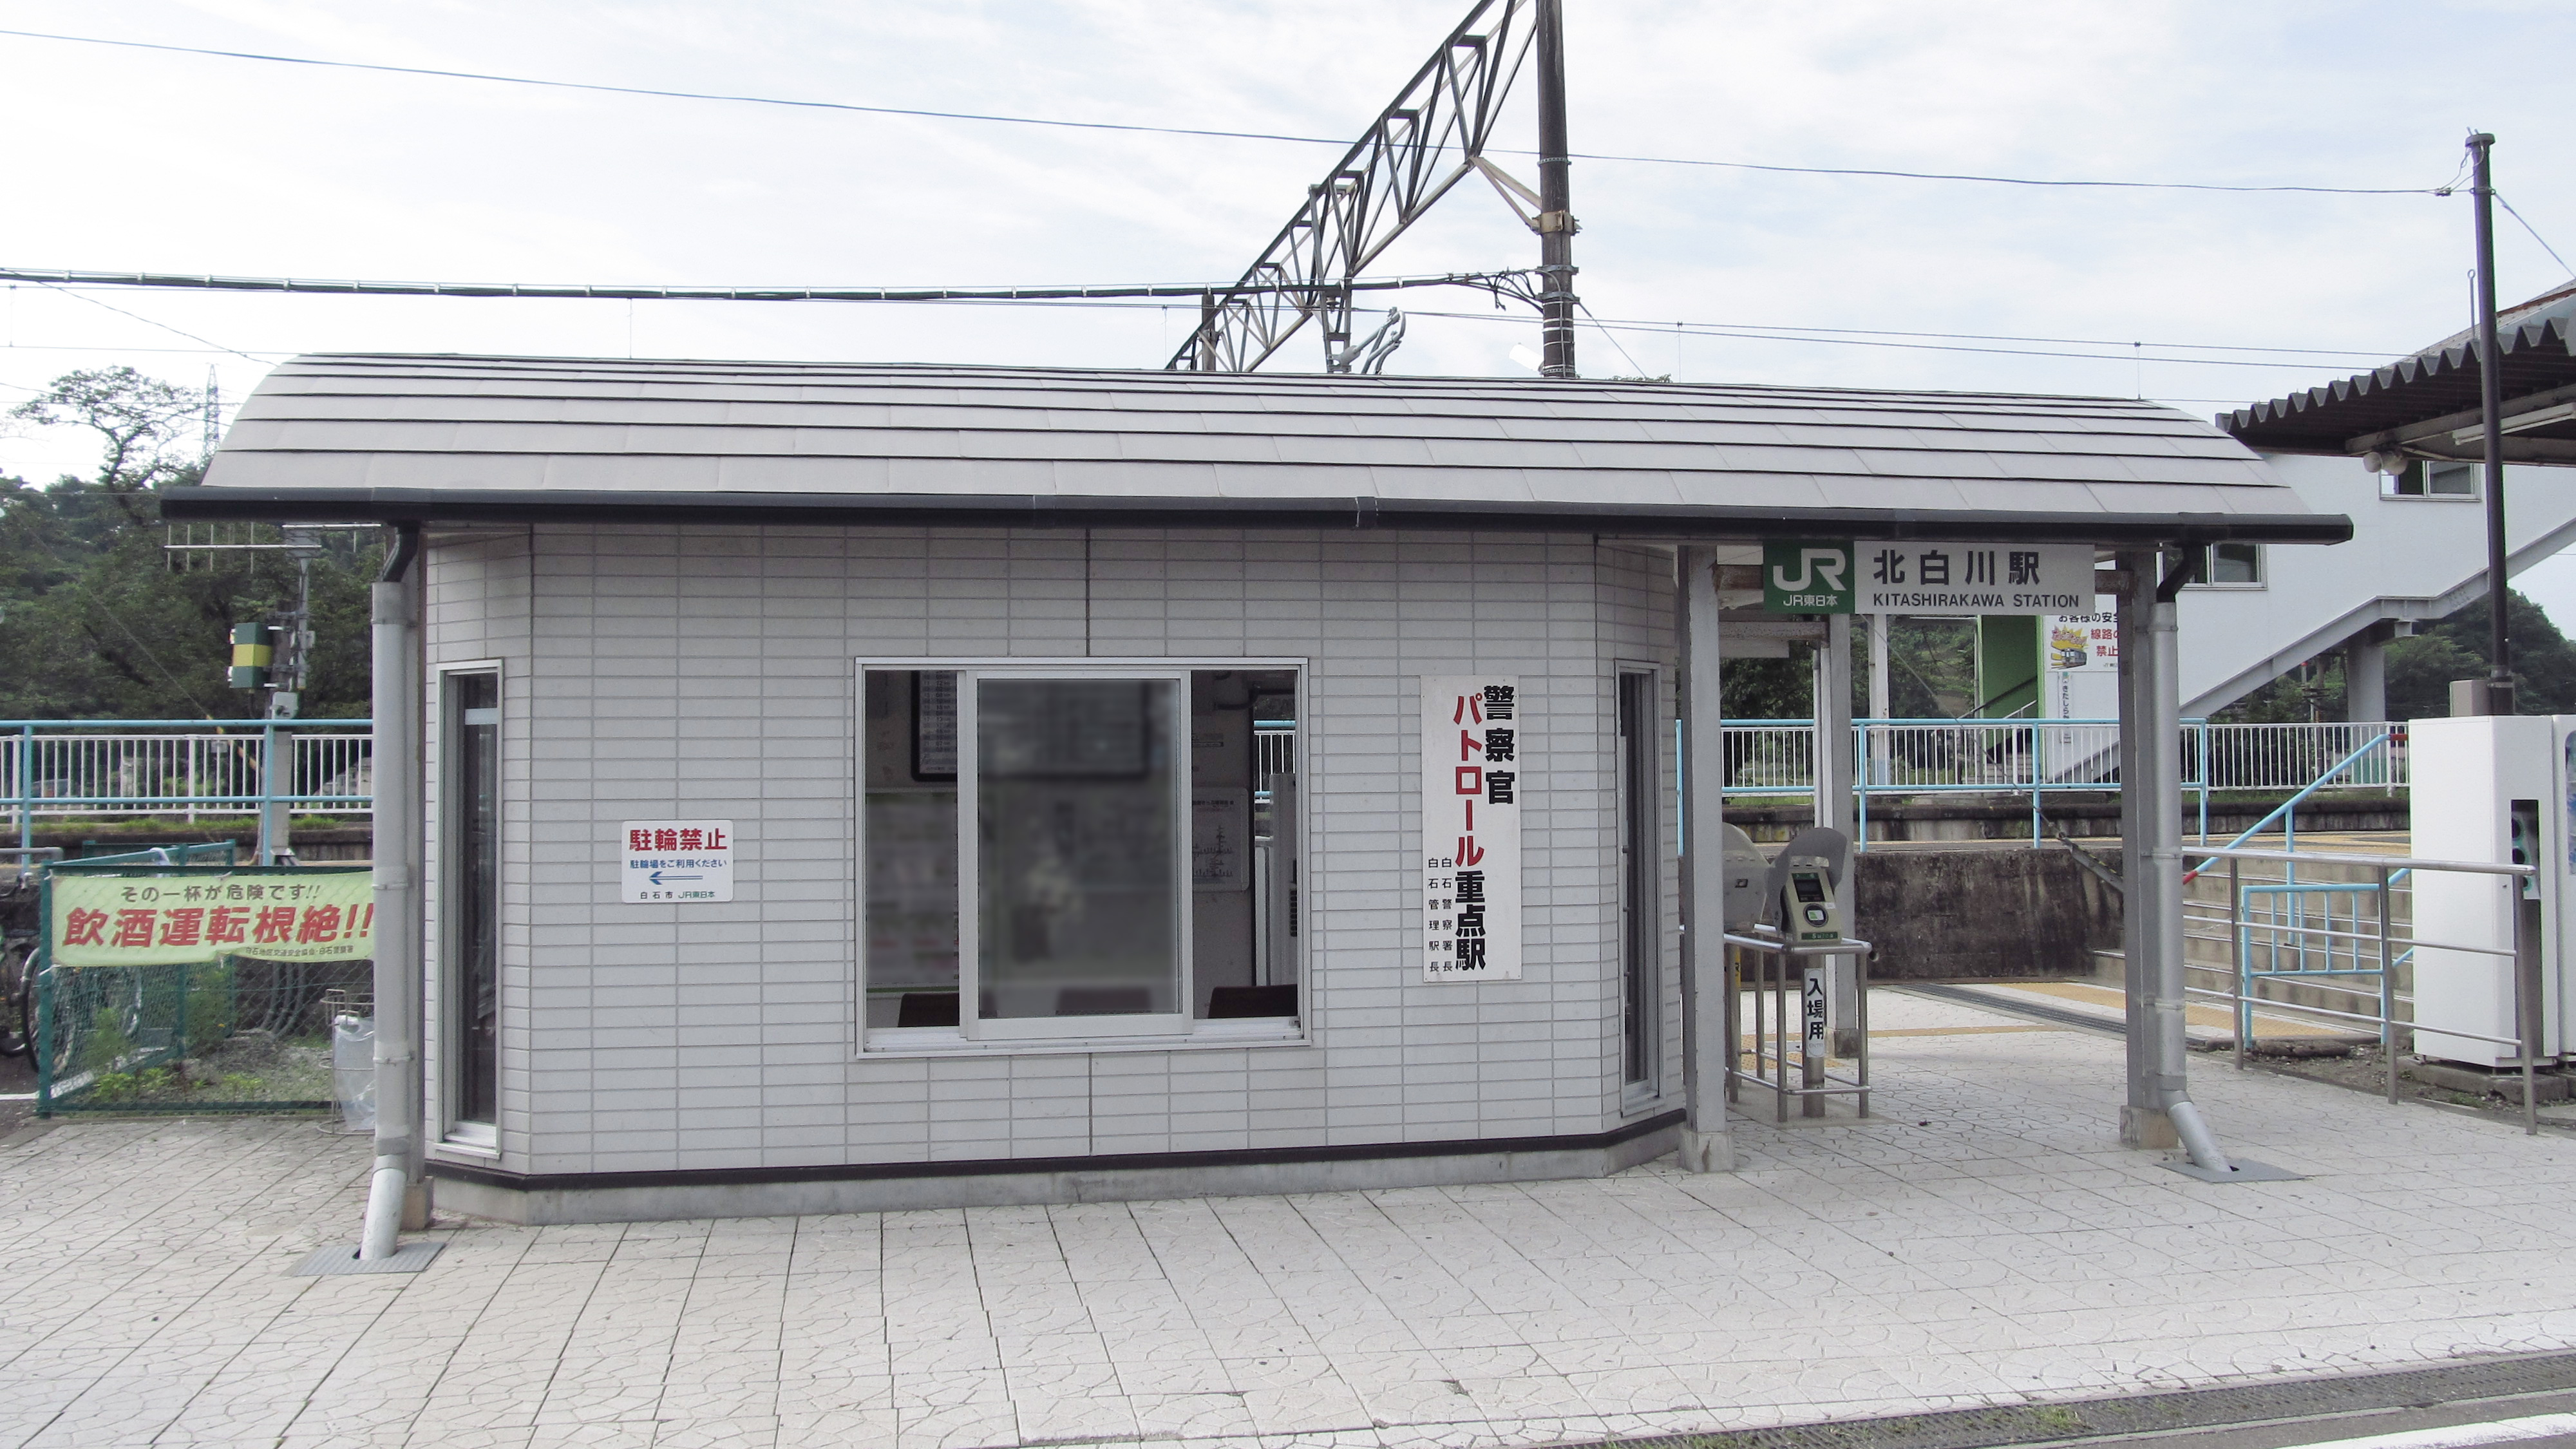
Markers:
<point>1783,934</point>
<point>2495,789</point>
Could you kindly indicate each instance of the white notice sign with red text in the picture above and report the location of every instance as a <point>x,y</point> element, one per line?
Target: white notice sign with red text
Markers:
<point>676,861</point>
<point>1471,828</point>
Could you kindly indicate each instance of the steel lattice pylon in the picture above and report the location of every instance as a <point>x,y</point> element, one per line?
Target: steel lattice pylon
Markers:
<point>1431,138</point>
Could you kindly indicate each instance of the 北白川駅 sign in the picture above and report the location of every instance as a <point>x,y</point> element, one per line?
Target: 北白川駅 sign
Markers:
<point>1802,576</point>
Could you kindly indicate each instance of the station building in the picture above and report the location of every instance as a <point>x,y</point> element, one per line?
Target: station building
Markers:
<point>849,786</point>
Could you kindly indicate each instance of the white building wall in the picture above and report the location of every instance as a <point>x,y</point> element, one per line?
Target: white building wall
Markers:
<point>2409,558</point>
<point>654,672</point>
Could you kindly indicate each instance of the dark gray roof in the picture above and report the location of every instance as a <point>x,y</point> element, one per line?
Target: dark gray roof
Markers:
<point>387,437</point>
<point>2417,402</point>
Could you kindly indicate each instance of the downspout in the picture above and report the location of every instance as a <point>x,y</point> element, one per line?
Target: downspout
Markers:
<point>398,981</point>
<point>2158,815</point>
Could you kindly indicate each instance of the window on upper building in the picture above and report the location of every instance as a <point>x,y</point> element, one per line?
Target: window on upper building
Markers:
<point>2230,566</point>
<point>2423,479</point>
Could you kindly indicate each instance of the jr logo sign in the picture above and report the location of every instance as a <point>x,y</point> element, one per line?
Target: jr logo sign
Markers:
<point>1803,577</point>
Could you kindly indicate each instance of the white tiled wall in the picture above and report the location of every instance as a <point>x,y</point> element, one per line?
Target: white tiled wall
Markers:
<point>660,672</point>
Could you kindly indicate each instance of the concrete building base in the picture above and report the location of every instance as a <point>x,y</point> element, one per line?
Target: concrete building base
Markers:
<point>2147,1127</point>
<point>542,1199</point>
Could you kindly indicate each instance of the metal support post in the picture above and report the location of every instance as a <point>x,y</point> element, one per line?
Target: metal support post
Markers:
<point>1834,752</point>
<point>1708,1016</point>
<point>2142,1119</point>
<point>1881,706</point>
<point>2153,863</point>
<point>2236,955</point>
<point>26,793</point>
<point>1555,190</point>
<point>2388,980</point>
<point>401,1124</point>
<point>2499,685</point>
<point>272,832</point>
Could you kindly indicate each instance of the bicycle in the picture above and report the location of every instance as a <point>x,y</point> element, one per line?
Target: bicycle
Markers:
<point>18,929</point>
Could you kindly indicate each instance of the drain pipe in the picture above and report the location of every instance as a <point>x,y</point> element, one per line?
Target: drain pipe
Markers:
<point>2162,828</point>
<point>396,787</point>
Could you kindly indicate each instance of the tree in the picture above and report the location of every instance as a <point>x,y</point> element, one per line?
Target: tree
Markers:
<point>99,625</point>
<point>2421,668</point>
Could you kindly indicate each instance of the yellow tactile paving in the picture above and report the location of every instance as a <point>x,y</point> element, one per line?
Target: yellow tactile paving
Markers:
<point>2213,1018</point>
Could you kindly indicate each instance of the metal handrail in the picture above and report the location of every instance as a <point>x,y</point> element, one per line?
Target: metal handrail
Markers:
<point>2290,806</point>
<point>2387,868</point>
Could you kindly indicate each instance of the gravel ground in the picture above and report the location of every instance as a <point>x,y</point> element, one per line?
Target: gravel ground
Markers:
<point>2366,1070</point>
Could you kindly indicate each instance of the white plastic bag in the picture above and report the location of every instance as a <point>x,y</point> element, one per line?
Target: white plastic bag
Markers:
<point>353,1071</point>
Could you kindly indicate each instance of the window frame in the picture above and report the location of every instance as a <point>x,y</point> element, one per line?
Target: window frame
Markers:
<point>971,1024</point>
<point>1159,1032</point>
<point>456,1130</point>
<point>2420,470</point>
<point>1637,769</point>
<point>2201,578</point>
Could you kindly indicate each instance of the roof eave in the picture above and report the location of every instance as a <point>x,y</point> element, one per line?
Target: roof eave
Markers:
<point>489,506</point>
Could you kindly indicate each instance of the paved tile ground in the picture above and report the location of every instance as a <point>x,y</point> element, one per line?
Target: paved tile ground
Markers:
<point>1990,1242</point>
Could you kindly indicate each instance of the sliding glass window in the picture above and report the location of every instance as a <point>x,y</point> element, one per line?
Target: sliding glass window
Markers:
<point>1118,838</point>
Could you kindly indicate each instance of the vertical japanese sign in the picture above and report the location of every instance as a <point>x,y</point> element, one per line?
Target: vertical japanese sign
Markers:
<point>1813,1036</point>
<point>1471,828</point>
<point>675,860</point>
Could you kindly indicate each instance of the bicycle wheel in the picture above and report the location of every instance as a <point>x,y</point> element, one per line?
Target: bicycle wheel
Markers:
<point>17,999</point>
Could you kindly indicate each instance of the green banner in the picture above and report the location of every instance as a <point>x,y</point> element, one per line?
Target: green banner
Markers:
<point>156,920</point>
<point>1803,576</point>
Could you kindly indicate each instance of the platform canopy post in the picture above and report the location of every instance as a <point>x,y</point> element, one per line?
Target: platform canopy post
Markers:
<point>1705,1147</point>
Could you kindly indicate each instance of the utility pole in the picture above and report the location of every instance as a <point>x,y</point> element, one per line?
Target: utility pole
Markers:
<point>1555,217</point>
<point>213,421</point>
<point>2499,690</point>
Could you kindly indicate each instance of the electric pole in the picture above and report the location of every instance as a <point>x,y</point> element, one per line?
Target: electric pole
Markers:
<point>1555,217</point>
<point>2499,690</point>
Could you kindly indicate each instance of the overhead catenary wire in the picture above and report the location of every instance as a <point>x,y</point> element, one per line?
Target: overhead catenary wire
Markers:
<point>649,292</point>
<point>139,317</point>
<point>2535,233</point>
<point>995,118</point>
<point>1137,295</point>
<point>1825,336</point>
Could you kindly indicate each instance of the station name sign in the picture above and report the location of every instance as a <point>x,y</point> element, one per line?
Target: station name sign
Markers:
<point>1806,576</point>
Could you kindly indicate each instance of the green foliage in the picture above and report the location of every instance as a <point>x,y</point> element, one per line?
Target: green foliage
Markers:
<point>1931,674</point>
<point>2421,668</point>
<point>99,625</point>
<point>211,1002</point>
<point>108,1044</point>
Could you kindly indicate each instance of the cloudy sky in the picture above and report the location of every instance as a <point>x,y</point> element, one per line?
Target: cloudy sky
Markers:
<point>130,159</point>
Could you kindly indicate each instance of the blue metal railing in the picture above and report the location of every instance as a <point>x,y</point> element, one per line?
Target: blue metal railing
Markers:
<point>2033,758</point>
<point>191,767</point>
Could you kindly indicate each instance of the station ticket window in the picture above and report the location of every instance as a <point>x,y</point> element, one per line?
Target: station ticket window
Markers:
<point>1077,851</point>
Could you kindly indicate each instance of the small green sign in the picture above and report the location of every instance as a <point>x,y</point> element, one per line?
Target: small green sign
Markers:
<point>1802,576</point>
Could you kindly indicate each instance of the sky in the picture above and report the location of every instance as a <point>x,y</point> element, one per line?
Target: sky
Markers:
<point>140,160</point>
